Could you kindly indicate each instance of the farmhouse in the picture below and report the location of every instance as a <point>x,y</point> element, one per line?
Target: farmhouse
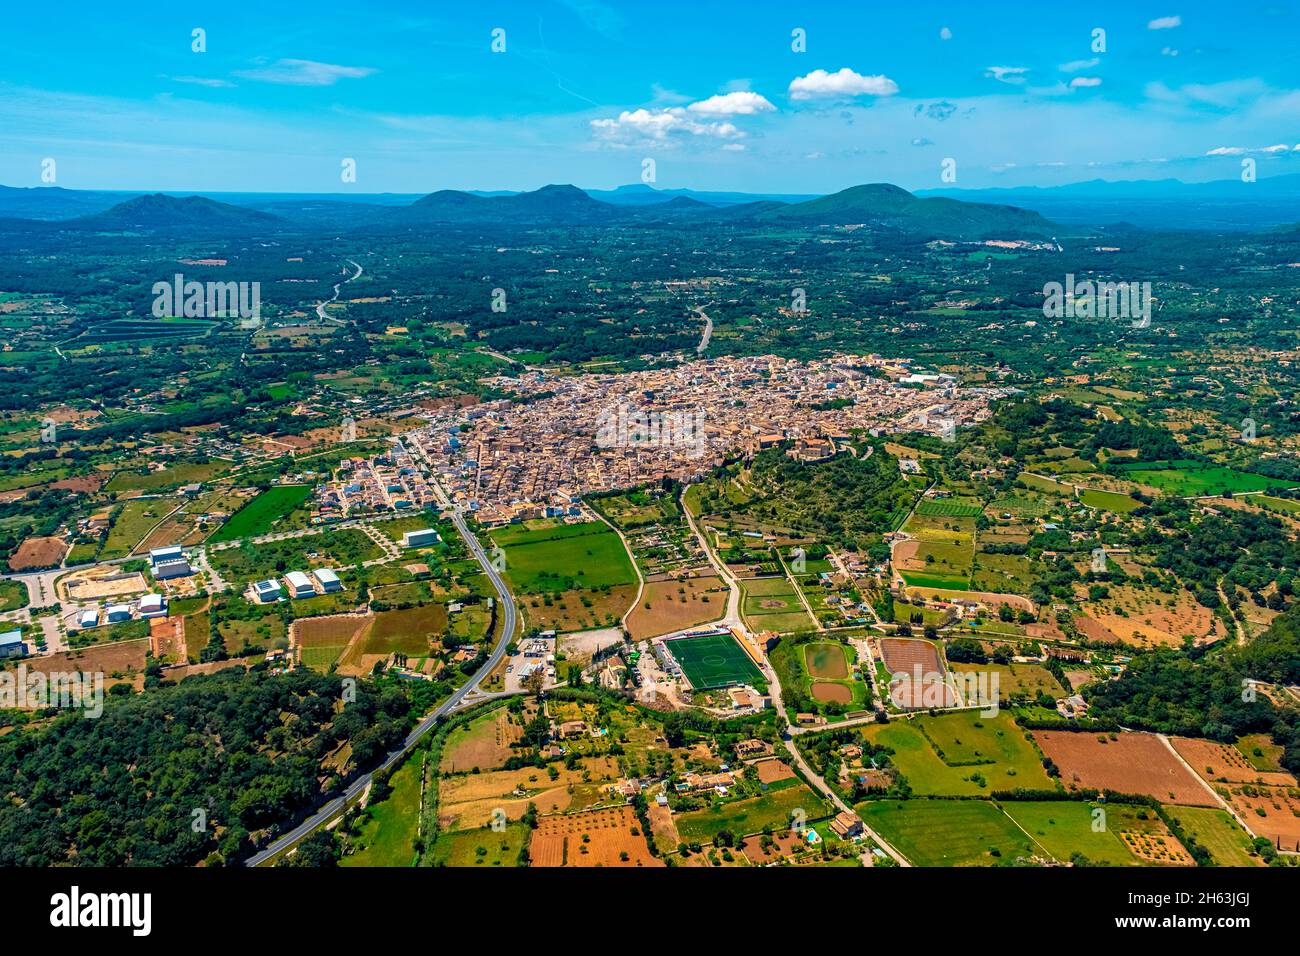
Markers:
<point>846,824</point>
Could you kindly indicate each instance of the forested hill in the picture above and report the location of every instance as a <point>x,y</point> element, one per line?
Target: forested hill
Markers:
<point>248,750</point>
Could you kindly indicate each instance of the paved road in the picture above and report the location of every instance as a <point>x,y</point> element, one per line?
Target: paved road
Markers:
<point>464,697</point>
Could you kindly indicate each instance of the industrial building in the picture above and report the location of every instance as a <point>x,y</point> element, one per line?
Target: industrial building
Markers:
<point>267,591</point>
<point>329,581</point>
<point>420,539</point>
<point>11,644</point>
<point>300,585</point>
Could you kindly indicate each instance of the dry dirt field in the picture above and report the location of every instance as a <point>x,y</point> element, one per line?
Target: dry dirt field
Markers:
<point>901,655</point>
<point>95,584</point>
<point>468,801</point>
<point>908,694</point>
<point>485,744</point>
<point>125,658</point>
<point>608,837</point>
<point>167,637</point>
<point>1270,812</point>
<point>1148,621</point>
<point>673,611</point>
<point>770,771</point>
<point>1131,763</point>
<point>568,613</point>
<point>38,553</point>
<point>1222,763</point>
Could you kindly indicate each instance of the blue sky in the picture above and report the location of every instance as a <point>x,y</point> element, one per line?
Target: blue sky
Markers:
<point>586,90</point>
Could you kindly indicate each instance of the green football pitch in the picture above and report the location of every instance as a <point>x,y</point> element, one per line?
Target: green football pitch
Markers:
<point>715,660</point>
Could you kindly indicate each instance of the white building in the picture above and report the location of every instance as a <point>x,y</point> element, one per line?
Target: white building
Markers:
<point>420,539</point>
<point>117,612</point>
<point>328,580</point>
<point>88,618</point>
<point>299,584</point>
<point>153,605</point>
<point>267,591</point>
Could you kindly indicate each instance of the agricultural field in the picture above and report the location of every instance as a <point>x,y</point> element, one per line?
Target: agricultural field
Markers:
<point>578,609</point>
<point>484,847</point>
<point>1194,479</point>
<point>771,604</point>
<point>1227,843</point>
<point>482,744</point>
<point>264,514</point>
<point>818,677</point>
<point>1016,680</point>
<point>607,837</point>
<point>1124,763</point>
<point>320,641</point>
<point>551,559</point>
<point>775,809</point>
<point>1069,830</point>
<point>951,832</point>
<point>961,754</point>
<point>672,605</point>
<point>133,523</point>
<point>385,832</point>
<point>337,548</point>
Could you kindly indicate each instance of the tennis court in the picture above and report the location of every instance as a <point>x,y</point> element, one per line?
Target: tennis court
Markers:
<point>713,660</point>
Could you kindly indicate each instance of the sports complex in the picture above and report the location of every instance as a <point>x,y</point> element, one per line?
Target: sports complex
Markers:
<point>712,658</point>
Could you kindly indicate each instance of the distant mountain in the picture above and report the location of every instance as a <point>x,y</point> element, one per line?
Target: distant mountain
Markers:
<point>54,202</point>
<point>642,194</point>
<point>882,204</point>
<point>1225,204</point>
<point>556,205</point>
<point>157,212</point>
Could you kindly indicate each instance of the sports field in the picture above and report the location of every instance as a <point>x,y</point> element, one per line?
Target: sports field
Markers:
<point>715,660</point>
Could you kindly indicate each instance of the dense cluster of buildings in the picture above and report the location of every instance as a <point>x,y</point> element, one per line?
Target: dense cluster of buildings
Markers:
<point>564,437</point>
<point>390,481</point>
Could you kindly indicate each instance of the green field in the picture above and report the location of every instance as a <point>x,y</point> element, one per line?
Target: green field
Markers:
<point>949,832</point>
<point>136,519</point>
<point>387,833</point>
<point>775,809</point>
<point>482,848</point>
<point>945,508</point>
<point>562,558</point>
<point>1213,829</point>
<point>1109,500</point>
<point>259,515</point>
<point>961,754</point>
<point>13,595</point>
<point>714,661</point>
<point>1066,828</point>
<point>1189,479</point>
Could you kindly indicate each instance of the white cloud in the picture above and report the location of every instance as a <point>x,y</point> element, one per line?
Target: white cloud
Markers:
<point>846,82</point>
<point>1165,23</point>
<point>1007,74</point>
<point>945,34</point>
<point>1243,150</point>
<point>659,126</point>
<point>1168,51</point>
<point>207,81</point>
<point>1074,66</point>
<point>305,73</point>
<point>739,103</point>
<point>1079,81</point>
<point>733,147</point>
<point>1229,94</point>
